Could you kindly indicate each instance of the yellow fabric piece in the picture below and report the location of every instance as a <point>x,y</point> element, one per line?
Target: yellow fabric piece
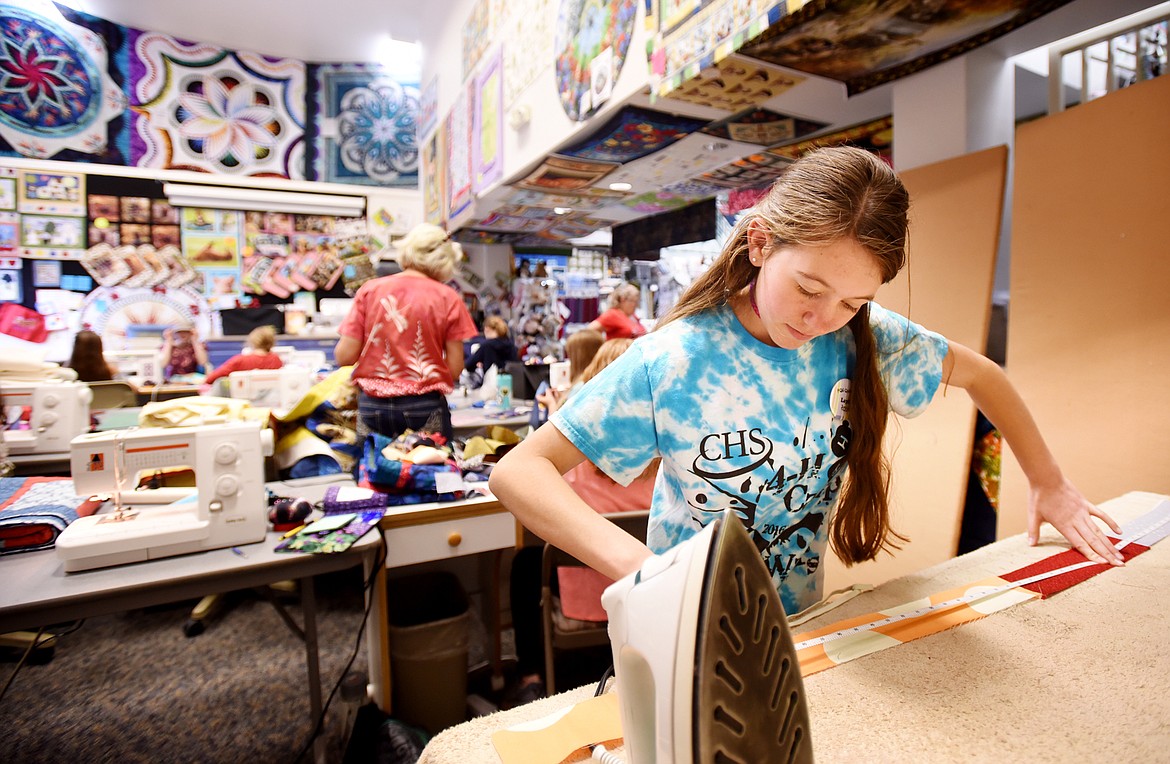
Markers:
<point>423,455</point>
<point>199,409</point>
<point>502,435</point>
<point>480,445</point>
<point>324,390</point>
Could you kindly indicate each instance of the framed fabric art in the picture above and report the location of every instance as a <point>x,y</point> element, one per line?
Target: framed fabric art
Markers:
<point>565,174</point>
<point>487,148</point>
<point>459,178</point>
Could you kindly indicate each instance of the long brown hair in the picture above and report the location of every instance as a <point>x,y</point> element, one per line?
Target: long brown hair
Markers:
<point>87,359</point>
<point>607,354</point>
<point>581,347</point>
<point>829,195</point>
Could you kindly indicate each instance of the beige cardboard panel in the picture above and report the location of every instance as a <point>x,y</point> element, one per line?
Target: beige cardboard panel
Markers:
<point>1089,325</point>
<point>956,207</point>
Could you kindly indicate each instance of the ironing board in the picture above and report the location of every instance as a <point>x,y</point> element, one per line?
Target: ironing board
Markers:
<point>1052,680</point>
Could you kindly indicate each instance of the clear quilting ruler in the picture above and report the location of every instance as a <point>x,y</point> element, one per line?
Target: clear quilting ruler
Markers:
<point>1145,530</point>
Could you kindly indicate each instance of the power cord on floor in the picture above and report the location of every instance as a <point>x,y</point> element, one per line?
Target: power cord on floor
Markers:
<point>367,589</point>
<point>36,643</point>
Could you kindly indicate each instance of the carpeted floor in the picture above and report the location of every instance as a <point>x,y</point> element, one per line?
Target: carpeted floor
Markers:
<point>132,688</point>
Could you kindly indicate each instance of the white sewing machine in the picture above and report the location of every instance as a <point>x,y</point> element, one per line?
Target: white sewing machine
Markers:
<point>139,365</point>
<point>226,507</point>
<point>278,389</point>
<point>41,416</point>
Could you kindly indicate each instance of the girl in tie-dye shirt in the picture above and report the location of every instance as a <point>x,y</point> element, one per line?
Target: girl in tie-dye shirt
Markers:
<point>767,389</point>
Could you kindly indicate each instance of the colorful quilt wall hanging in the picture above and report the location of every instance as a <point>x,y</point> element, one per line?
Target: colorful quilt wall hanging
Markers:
<point>763,127</point>
<point>876,135</point>
<point>362,126</point>
<point>633,133</point>
<point>62,94</point>
<point>592,39</point>
<point>866,45</point>
<point>81,88</point>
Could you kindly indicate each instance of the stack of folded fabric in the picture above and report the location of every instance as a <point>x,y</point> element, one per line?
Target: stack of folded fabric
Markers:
<point>34,511</point>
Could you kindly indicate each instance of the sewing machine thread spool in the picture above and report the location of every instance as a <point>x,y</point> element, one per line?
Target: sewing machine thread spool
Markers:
<point>288,513</point>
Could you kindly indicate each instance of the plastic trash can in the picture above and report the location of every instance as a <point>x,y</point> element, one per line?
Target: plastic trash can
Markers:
<point>429,630</point>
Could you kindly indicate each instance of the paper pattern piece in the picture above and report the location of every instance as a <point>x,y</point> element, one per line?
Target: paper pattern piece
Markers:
<point>554,738</point>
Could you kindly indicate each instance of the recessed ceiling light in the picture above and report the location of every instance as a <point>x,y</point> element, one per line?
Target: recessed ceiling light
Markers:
<point>620,186</point>
<point>562,210</point>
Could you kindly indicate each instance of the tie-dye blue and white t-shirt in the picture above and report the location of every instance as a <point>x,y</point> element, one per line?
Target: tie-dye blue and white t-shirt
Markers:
<point>745,426</point>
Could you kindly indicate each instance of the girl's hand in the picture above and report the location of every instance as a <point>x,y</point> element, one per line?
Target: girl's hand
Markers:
<point>1066,510</point>
<point>550,399</point>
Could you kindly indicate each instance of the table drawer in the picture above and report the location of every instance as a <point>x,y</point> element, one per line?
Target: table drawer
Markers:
<point>443,540</point>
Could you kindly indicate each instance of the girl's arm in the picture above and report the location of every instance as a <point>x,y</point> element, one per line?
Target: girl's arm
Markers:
<point>527,480</point>
<point>1052,497</point>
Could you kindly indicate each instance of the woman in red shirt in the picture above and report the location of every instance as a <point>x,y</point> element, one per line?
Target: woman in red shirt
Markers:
<point>257,355</point>
<point>404,337</point>
<point>619,321</point>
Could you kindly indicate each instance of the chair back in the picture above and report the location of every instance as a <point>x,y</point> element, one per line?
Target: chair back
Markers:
<point>561,632</point>
<point>113,394</point>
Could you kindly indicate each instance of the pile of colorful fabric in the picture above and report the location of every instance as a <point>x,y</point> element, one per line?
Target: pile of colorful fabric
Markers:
<point>408,469</point>
<point>34,511</point>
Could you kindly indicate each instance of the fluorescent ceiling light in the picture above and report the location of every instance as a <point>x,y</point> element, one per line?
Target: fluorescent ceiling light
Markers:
<point>235,198</point>
<point>620,186</point>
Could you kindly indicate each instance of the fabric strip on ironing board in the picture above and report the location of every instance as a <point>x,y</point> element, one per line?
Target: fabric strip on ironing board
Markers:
<point>1050,586</point>
<point>1148,529</point>
<point>819,657</point>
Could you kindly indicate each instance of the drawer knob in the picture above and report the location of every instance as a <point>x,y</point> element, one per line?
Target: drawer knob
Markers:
<point>455,538</point>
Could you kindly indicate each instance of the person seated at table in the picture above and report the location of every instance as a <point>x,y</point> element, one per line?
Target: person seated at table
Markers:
<point>257,354</point>
<point>580,350</point>
<point>495,349</point>
<point>88,359</point>
<point>182,352</point>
